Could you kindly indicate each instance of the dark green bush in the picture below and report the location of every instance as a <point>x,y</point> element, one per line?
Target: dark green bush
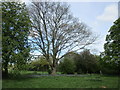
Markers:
<point>14,74</point>
<point>109,71</point>
<point>87,62</point>
<point>79,71</point>
<point>67,66</point>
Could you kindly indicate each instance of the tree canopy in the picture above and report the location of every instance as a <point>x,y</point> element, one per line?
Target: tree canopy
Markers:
<point>83,62</point>
<point>111,55</point>
<point>15,31</point>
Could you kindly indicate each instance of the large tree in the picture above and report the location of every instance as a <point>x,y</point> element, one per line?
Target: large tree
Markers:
<point>56,32</point>
<point>15,31</point>
<point>111,56</point>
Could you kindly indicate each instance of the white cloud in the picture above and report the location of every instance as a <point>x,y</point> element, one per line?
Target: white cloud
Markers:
<point>25,0</point>
<point>110,13</point>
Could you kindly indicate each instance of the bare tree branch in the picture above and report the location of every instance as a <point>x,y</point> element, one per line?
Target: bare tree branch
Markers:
<point>56,31</point>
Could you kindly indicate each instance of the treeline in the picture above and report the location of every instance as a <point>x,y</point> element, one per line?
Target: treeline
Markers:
<point>85,62</point>
<point>77,63</point>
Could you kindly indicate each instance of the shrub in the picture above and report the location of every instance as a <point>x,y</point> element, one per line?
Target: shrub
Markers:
<point>67,66</point>
<point>14,73</point>
<point>39,64</point>
<point>86,63</point>
<point>79,71</point>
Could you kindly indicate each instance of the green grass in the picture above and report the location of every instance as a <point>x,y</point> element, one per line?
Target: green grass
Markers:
<point>90,81</point>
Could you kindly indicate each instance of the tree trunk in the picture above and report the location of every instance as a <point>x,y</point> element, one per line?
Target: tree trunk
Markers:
<point>5,72</point>
<point>53,71</point>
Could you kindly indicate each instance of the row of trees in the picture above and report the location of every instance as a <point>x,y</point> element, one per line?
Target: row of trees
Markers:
<point>81,63</point>
<point>85,62</point>
<point>51,29</point>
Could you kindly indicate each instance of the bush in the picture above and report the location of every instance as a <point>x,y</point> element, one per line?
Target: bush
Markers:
<point>109,71</point>
<point>108,67</point>
<point>39,64</point>
<point>14,74</point>
<point>67,66</point>
<point>79,71</point>
<point>87,63</point>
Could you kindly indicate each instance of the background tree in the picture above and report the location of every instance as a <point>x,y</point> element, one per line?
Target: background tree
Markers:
<point>40,64</point>
<point>86,63</point>
<point>67,66</point>
<point>72,58</point>
<point>56,32</point>
<point>111,55</point>
<point>15,31</point>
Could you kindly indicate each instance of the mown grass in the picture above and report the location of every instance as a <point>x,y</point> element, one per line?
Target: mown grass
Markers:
<point>90,81</point>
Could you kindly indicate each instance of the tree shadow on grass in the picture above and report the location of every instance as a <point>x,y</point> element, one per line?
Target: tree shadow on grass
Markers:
<point>15,77</point>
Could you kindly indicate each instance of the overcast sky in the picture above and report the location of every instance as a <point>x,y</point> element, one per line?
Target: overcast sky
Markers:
<point>99,16</point>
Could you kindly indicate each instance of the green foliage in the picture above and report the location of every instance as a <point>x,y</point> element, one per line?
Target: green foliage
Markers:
<point>110,58</point>
<point>86,63</point>
<point>40,64</point>
<point>14,73</point>
<point>67,66</point>
<point>107,67</point>
<point>15,31</point>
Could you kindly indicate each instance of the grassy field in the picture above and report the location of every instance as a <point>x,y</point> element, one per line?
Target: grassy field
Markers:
<point>90,81</point>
